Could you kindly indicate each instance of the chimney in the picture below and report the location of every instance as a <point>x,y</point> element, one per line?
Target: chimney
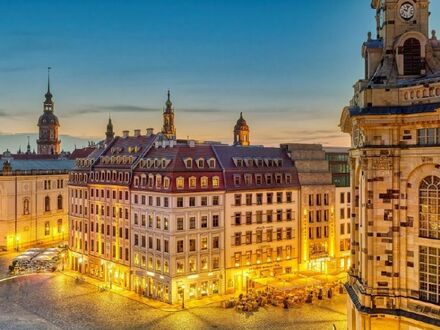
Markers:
<point>150,131</point>
<point>125,134</point>
<point>137,132</point>
<point>191,143</point>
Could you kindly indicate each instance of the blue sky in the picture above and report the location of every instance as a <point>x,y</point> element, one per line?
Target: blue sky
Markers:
<point>288,65</point>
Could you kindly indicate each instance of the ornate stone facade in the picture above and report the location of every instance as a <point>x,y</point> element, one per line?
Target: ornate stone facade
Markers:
<point>394,122</point>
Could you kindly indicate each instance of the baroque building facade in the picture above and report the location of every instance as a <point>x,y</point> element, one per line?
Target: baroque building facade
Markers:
<point>393,120</point>
<point>179,219</point>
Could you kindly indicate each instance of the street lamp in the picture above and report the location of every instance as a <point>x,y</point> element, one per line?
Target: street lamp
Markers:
<point>17,239</point>
<point>183,297</point>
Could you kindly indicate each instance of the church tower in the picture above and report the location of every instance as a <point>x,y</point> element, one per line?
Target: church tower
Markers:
<point>109,134</point>
<point>168,129</point>
<point>48,124</point>
<point>241,132</point>
<point>394,123</point>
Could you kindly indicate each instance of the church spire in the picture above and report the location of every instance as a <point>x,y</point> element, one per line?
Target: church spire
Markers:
<point>169,130</point>
<point>28,149</point>
<point>48,103</point>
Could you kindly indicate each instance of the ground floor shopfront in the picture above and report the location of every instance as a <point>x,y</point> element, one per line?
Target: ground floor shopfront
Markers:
<point>109,272</point>
<point>179,289</point>
<point>241,279</point>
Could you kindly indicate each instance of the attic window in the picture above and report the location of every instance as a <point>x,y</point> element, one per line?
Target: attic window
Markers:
<point>192,182</point>
<point>180,183</point>
<point>258,179</point>
<point>237,180</point>
<point>211,163</point>
<point>188,163</point>
<point>200,163</point>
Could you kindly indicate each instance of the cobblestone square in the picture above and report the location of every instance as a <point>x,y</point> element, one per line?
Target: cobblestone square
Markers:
<point>55,301</point>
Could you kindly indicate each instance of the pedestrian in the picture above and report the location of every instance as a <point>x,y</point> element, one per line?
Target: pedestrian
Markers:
<point>286,303</point>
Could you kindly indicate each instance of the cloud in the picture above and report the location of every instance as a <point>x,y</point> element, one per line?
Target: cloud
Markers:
<point>127,108</point>
<point>121,108</point>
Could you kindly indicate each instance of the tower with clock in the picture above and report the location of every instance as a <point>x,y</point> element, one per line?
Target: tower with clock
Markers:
<point>48,124</point>
<point>394,122</point>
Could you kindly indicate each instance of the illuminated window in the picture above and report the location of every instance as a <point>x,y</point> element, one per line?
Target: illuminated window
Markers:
<point>429,264</point>
<point>429,203</point>
<point>215,182</point>
<point>204,182</point>
<point>192,182</point>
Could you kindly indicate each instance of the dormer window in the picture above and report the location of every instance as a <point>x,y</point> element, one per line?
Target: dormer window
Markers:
<point>215,182</point>
<point>188,163</point>
<point>268,178</point>
<point>204,182</point>
<point>211,163</point>
<point>288,178</point>
<point>127,177</point>
<point>158,181</point>
<point>248,179</point>
<point>239,162</point>
<point>143,180</point>
<point>278,178</point>
<point>166,183</point>
<point>237,180</point>
<point>258,179</point>
<point>150,180</point>
<point>201,163</point>
<point>180,183</point>
<point>156,163</point>
<point>136,181</point>
<point>192,182</point>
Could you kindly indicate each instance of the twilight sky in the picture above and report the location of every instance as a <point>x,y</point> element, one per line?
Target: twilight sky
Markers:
<point>289,65</point>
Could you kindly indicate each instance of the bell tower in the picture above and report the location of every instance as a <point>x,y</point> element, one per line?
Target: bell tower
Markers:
<point>402,46</point>
<point>168,129</point>
<point>241,132</point>
<point>109,133</point>
<point>48,124</point>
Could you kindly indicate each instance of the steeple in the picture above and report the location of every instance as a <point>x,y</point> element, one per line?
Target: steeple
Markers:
<point>48,124</point>
<point>241,132</point>
<point>169,130</point>
<point>48,103</point>
<point>109,134</point>
<point>28,149</point>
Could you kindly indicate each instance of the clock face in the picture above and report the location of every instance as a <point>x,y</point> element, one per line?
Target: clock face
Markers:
<point>407,11</point>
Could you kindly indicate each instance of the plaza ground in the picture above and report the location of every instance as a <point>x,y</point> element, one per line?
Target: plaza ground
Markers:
<point>56,301</point>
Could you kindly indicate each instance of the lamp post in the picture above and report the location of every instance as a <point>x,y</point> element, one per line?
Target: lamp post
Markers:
<point>183,297</point>
<point>17,239</point>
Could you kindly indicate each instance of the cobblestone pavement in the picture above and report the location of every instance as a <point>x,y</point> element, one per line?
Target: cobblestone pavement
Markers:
<point>55,301</point>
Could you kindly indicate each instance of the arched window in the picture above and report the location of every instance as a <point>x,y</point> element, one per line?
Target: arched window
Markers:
<point>429,204</point>
<point>26,206</point>
<point>412,59</point>
<point>60,202</point>
<point>47,204</point>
